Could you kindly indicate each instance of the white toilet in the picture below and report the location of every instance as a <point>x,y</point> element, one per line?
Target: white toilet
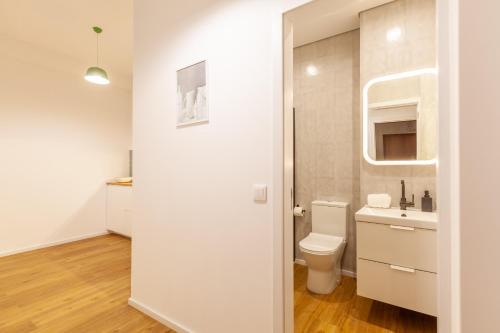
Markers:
<point>324,247</point>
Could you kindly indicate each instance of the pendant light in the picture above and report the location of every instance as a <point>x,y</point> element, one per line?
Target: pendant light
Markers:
<point>96,74</point>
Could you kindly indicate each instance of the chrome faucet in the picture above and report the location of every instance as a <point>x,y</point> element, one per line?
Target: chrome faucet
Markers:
<point>403,204</point>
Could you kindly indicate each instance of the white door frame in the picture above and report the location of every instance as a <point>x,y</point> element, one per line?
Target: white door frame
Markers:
<point>283,257</point>
<point>288,178</point>
<point>448,169</point>
<point>448,233</point>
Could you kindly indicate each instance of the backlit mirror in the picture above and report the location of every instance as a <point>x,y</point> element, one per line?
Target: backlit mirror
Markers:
<point>400,118</point>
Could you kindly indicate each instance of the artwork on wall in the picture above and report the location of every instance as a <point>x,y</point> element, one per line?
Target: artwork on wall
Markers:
<point>192,97</point>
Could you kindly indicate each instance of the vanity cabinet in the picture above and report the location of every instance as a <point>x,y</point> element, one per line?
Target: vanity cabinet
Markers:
<point>398,245</point>
<point>119,209</point>
<point>401,286</point>
<point>397,264</point>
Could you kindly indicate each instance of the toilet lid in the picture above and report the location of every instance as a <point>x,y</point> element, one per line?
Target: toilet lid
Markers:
<point>321,243</point>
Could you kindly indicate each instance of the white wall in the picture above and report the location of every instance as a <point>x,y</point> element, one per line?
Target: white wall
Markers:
<point>203,251</point>
<point>172,236</point>
<point>479,70</point>
<point>61,138</point>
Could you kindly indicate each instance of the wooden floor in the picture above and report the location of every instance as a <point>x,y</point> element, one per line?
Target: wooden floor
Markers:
<point>84,287</point>
<point>344,311</point>
<point>78,287</point>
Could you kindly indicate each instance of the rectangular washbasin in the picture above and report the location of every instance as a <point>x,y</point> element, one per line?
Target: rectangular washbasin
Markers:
<point>409,218</point>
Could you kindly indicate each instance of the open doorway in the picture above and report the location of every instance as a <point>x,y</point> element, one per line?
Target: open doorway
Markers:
<point>332,53</point>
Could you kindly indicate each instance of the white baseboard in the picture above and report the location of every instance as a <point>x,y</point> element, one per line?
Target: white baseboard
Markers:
<point>300,262</point>
<point>345,272</point>
<point>348,273</point>
<point>157,316</point>
<point>50,244</point>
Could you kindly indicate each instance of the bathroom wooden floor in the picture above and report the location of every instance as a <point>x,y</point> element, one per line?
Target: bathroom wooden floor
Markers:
<point>344,311</point>
<point>78,287</point>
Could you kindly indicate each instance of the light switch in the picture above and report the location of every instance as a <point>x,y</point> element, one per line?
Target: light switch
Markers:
<point>260,192</point>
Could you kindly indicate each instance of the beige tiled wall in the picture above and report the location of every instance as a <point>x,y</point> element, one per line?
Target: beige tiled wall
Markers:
<point>378,57</point>
<point>327,150</point>
<point>328,114</point>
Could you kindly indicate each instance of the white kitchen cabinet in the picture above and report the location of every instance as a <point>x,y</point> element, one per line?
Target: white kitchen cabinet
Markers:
<point>119,209</point>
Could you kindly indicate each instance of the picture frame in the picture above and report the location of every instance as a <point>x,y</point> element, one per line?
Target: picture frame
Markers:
<point>192,95</point>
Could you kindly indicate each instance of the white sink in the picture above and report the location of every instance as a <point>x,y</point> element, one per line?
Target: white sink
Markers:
<point>410,218</point>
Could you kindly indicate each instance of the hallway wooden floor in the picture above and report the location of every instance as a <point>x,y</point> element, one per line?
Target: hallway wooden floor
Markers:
<point>344,311</point>
<point>77,287</point>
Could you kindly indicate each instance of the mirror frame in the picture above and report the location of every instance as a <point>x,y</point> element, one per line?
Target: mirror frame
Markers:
<point>366,142</point>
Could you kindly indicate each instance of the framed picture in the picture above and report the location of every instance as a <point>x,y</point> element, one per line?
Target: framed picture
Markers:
<point>192,95</point>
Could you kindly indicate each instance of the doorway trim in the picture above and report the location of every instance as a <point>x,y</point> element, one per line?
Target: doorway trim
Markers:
<point>448,167</point>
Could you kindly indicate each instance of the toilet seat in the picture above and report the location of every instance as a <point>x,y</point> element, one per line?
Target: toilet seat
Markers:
<point>321,244</point>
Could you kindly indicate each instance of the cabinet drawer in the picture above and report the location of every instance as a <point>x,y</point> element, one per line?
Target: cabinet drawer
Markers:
<point>408,247</point>
<point>411,289</point>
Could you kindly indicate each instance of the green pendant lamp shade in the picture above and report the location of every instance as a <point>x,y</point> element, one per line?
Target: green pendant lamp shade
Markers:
<point>96,74</point>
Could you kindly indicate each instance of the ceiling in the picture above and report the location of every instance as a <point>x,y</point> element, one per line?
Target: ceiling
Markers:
<point>321,19</point>
<point>64,27</point>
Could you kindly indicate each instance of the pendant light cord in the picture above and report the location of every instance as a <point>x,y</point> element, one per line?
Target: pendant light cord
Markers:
<point>97,31</point>
<point>97,43</point>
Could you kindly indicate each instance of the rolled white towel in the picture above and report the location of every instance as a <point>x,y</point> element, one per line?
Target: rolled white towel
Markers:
<point>380,200</point>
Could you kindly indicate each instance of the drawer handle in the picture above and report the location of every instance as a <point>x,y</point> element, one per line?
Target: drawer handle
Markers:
<point>402,269</point>
<point>398,227</point>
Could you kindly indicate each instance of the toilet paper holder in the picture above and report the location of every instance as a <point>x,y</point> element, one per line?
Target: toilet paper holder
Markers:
<point>299,211</point>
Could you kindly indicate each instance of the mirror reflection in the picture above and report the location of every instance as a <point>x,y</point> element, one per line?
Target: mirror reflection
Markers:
<point>401,117</point>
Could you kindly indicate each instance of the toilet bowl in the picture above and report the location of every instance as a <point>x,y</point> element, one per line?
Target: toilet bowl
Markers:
<point>323,248</point>
<point>323,255</point>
